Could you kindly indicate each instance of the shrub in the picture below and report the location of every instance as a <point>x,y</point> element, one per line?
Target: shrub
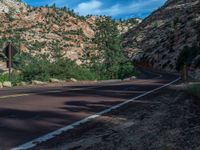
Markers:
<point>4,77</point>
<point>195,90</point>
<point>15,77</point>
<point>109,60</point>
<point>186,57</point>
<point>40,68</point>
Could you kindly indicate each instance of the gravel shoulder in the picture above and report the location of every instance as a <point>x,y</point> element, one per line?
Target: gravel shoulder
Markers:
<point>167,120</point>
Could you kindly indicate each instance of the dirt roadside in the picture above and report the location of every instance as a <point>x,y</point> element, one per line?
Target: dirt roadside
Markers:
<point>167,120</point>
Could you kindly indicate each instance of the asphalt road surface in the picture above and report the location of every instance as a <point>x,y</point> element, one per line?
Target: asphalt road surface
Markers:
<point>26,114</point>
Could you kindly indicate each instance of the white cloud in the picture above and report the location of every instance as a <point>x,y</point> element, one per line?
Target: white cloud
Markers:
<point>90,7</point>
<point>99,7</point>
<point>95,7</point>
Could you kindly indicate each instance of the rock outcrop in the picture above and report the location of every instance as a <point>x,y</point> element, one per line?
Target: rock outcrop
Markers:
<point>3,66</point>
<point>158,41</point>
<point>7,84</point>
<point>44,29</point>
<point>13,6</point>
<point>125,25</point>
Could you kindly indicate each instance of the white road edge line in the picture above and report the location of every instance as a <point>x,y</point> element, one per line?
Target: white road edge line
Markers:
<point>53,134</point>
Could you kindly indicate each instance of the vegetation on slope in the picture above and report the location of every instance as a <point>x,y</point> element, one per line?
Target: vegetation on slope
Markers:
<point>108,61</point>
<point>55,37</point>
<point>194,90</point>
<point>159,39</point>
<point>105,61</point>
<point>187,56</point>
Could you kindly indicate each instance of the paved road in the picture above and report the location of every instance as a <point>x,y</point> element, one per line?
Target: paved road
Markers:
<point>26,114</point>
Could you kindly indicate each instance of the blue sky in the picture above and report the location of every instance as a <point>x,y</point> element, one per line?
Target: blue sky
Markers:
<point>115,8</point>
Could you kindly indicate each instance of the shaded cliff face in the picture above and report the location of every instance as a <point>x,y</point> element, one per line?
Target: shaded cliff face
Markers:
<point>160,38</point>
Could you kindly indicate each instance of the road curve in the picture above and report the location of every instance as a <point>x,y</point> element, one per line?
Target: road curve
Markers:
<point>26,114</point>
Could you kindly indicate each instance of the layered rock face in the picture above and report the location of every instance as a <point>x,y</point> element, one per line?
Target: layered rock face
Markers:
<point>46,29</point>
<point>11,5</point>
<point>160,38</point>
<point>125,25</point>
<point>42,30</point>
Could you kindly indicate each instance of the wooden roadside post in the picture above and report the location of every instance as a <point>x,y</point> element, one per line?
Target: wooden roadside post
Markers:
<point>9,59</point>
<point>10,51</point>
<point>185,73</point>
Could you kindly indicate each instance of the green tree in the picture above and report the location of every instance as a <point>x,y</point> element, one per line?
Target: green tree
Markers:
<point>186,57</point>
<point>109,60</point>
<point>41,68</point>
<point>53,6</point>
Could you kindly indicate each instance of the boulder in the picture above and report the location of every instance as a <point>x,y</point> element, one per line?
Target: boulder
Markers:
<point>73,80</point>
<point>133,78</point>
<point>22,84</point>
<point>36,82</point>
<point>127,79</point>
<point>53,80</point>
<point>7,84</point>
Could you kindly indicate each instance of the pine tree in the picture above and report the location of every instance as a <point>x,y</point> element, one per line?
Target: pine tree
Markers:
<point>109,59</point>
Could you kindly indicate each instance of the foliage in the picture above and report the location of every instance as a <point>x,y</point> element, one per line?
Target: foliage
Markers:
<point>15,77</point>
<point>108,61</point>
<point>131,20</point>
<point>4,77</point>
<point>40,68</point>
<point>194,90</point>
<point>186,57</point>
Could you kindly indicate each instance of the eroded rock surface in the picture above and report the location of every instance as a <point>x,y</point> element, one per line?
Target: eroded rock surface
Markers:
<point>160,38</point>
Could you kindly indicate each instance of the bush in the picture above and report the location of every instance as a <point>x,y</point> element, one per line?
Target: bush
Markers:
<point>126,70</point>
<point>15,77</point>
<point>195,90</point>
<point>40,68</point>
<point>186,57</point>
<point>4,77</point>
<point>108,60</point>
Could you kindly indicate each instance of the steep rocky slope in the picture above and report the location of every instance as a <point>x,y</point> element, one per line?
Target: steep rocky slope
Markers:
<point>41,30</point>
<point>125,25</point>
<point>160,38</point>
<point>46,29</point>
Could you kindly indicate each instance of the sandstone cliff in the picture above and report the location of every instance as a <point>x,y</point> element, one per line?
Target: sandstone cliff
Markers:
<point>40,30</point>
<point>7,6</point>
